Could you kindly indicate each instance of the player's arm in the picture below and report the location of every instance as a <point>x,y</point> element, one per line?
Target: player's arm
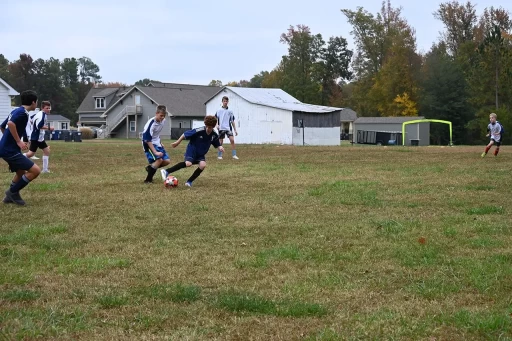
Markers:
<point>216,144</point>
<point>178,141</point>
<point>12,128</point>
<point>233,124</point>
<point>4,125</point>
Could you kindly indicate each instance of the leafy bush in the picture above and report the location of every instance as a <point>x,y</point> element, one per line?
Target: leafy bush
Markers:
<point>87,133</point>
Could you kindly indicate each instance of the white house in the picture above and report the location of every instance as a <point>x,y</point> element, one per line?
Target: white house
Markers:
<point>6,92</point>
<point>273,116</point>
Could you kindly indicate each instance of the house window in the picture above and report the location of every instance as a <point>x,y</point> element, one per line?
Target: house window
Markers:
<point>180,125</point>
<point>132,126</point>
<point>100,103</point>
<point>64,125</point>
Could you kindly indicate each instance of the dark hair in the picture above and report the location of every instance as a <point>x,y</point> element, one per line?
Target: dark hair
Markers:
<point>210,121</point>
<point>45,104</point>
<point>28,97</point>
<point>225,98</point>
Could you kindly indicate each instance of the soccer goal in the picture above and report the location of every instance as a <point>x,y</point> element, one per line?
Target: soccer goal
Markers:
<point>426,120</point>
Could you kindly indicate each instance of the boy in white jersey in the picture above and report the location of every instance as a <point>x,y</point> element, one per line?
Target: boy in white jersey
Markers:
<point>494,130</point>
<point>39,123</point>
<point>226,125</point>
<point>155,152</point>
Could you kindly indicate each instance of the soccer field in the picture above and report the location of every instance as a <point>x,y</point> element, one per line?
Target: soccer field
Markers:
<point>287,243</point>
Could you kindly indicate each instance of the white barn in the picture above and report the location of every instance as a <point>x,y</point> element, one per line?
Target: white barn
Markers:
<point>6,92</point>
<point>273,116</point>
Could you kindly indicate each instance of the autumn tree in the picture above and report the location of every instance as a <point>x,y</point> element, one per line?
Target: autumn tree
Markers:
<point>386,63</point>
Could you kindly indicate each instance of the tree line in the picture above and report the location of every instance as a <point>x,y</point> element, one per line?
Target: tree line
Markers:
<point>463,77</point>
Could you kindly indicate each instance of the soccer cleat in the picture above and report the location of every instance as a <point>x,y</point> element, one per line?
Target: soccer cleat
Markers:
<point>483,154</point>
<point>6,200</point>
<point>188,184</point>
<point>164,174</point>
<point>45,171</point>
<point>220,157</point>
<point>14,197</point>
<point>147,182</point>
<point>235,157</point>
<point>34,158</point>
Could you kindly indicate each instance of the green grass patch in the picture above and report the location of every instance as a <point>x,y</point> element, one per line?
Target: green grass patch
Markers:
<point>172,292</point>
<point>486,210</point>
<point>252,303</point>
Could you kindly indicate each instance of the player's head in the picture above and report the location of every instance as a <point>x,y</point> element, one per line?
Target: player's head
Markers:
<point>161,111</point>
<point>29,99</point>
<point>493,117</point>
<point>210,122</point>
<point>46,107</point>
<point>225,101</point>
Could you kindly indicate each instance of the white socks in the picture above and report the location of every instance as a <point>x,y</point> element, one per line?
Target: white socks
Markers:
<point>45,163</point>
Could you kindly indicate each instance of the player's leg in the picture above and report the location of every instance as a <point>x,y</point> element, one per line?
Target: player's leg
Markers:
<point>46,156</point>
<point>31,149</point>
<point>197,172</point>
<point>27,171</point>
<point>233,148</point>
<point>222,135</point>
<point>154,163</point>
<point>497,150</point>
<point>165,162</point>
<point>487,148</point>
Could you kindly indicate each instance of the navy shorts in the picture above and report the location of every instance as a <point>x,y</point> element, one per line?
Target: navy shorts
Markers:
<point>18,162</point>
<point>37,144</point>
<point>152,158</point>
<point>195,159</point>
<point>224,133</point>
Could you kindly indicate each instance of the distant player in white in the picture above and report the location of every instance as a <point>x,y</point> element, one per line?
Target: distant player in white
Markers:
<point>38,125</point>
<point>494,130</point>
<point>226,125</point>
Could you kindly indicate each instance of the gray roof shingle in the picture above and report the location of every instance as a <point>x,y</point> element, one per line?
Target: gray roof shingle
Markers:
<point>88,104</point>
<point>55,117</point>
<point>388,120</point>
<point>182,99</point>
<point>348,115</point>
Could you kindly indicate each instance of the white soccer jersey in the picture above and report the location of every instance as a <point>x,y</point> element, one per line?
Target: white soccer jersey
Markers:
<point>152,131</point>
<point>494,129</point>
<point>225,117</point>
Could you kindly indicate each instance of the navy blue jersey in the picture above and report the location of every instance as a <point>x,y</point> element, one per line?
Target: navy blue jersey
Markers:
<point>3,125</point>
<point>8,146</point>
<point>200,141</point>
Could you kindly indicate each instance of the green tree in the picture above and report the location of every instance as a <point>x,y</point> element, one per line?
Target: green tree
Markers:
<point>445,95</point>
<point>385,64</point>
<point>144,82</point>
<point>4,72</point>
<point>215,83</point>
<point>88,71</point>
<point>256,80</point>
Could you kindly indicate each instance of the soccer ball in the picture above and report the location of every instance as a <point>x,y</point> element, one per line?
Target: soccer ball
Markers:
<point>171,182</point>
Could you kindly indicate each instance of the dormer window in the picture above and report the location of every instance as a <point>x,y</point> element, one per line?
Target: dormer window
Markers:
<point>100,103</point>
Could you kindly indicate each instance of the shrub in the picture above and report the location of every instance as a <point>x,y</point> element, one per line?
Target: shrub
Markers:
<point>87,133</point>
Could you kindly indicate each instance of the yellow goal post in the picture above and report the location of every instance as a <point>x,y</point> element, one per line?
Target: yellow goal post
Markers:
<point>425,120</point>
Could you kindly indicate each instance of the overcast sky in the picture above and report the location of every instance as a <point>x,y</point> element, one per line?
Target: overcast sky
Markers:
<point>186,41</point>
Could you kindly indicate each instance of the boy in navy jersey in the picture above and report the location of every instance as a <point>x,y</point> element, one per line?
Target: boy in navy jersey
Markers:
<point>11,146</point>
<point>155,152</point>
<point>200,140</point>
<point>39,123</point>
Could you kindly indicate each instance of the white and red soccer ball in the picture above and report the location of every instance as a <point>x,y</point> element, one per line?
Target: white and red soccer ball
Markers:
<point>171,182</point>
